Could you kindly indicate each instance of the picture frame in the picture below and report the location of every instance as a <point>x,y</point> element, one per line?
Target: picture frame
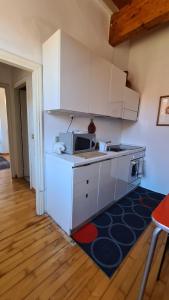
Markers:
<point>163,111</point>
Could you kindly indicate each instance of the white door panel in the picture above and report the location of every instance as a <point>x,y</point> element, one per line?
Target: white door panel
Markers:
<point>99,85</point>
<point>123,167</point>
<point>107,182</point>
<point>24,132</point>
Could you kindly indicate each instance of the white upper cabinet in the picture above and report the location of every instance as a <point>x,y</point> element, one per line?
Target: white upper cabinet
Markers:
<point>99,85</point>
<point>66,74</point>
<point>77,80</point>
<point>75,75</point>
<point>117,83</point>
<point>130,104</point>
<point>131,99</point>
<point>116,92</point>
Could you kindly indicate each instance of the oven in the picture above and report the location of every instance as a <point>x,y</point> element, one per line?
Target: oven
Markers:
<point>136,169</point>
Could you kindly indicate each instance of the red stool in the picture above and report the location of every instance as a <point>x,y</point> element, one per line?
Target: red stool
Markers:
<point>160,217</point>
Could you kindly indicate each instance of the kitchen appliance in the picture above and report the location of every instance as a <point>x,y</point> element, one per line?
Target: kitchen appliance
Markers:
<point>76,142</point>
<point>58,148</point>
<point>136,169</point>
<point>121,147</point>
<point>103,145</point>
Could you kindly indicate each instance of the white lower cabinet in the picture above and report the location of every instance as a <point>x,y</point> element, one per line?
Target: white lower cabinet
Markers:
<point>123,167</point>
<point>107,182</point>
<point>74,195</point>
<point>85,193</point>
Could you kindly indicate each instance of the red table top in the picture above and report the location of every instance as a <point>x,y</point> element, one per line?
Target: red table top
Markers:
<point>161,213</point>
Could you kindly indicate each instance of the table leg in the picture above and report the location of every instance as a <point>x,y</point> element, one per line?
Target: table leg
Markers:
<point>155,235</point>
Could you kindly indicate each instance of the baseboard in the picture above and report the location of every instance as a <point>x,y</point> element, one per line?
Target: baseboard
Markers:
<point>4,153</point>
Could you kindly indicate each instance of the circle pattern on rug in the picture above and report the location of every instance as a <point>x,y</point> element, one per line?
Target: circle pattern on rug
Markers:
<point>87,234</point>
<point>122,234</point>
<point>104,220</point>
<point>100,249</point>
<point>110,236</point>
<point>134,221</point>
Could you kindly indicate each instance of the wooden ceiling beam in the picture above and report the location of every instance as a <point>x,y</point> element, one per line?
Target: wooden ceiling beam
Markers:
<point>121,3</point>
<point>136,18</point>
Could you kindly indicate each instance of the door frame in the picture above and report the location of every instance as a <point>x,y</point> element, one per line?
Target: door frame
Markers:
<point>17,86</point>
<point>37,100</point>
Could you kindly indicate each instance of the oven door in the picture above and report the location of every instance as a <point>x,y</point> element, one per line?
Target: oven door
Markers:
<point>134,170</point>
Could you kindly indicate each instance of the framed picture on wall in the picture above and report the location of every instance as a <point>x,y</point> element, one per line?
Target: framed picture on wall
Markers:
<point>163,111</point>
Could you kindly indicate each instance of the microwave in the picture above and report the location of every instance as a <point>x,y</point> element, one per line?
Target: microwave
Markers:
<point>78,142</point>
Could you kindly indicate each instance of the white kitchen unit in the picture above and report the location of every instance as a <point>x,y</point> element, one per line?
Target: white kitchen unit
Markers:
<point>77,80</point>
<point>78,188</point>
<point>71,193</point>
<point>117,83</point>
<point>107,182</point>
<point>59,191</point>
<point>85,193</point>
<point>131,100</point>
<point>99,85</point>
<point>66,73</point>
<point>123,167</point>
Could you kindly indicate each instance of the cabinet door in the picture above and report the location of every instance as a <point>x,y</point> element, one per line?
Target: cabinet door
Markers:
<point>115,109</point>
<point>129,115</point>
<point>117,84</point>
<point>51,72</point>
<point>99,85</point>
<point>131,99</point>
<point>107,182</point>
<point>123,167</point>
<point>85,193</point>
<point>74,75</point>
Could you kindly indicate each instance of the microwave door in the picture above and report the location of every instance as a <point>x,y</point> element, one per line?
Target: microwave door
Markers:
<point>81,144</point>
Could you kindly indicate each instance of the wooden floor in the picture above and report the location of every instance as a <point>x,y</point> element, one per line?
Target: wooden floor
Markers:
<point>36,262</point>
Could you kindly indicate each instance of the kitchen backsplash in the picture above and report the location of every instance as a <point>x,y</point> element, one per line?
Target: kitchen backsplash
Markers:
<point>106,128</point>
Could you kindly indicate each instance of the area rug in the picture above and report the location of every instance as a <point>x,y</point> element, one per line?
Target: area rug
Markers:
<point>4,163</point>
<point>111,235</point>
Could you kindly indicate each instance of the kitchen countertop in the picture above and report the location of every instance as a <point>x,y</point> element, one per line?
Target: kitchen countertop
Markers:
<point>75,160</point>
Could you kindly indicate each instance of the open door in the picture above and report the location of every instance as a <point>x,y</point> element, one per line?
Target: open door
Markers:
<point>24,133</point>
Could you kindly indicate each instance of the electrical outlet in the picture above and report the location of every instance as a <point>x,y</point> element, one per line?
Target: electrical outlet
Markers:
<point>56,139</point>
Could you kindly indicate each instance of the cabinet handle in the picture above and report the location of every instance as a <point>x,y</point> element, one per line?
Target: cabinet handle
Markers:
<point>87,181</point>
<point>86,195</point>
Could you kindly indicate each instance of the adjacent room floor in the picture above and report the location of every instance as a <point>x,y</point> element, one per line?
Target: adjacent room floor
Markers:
<point>36,262</point>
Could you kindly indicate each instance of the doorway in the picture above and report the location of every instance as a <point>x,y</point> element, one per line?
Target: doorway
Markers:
<point>4,137</point>
<point>36,120</point>
<point>4,140</point>
<point>21,111</point>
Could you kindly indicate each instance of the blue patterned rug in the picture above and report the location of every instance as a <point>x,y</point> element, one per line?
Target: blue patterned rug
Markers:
<point>111,235</point>
<point>4,163</point>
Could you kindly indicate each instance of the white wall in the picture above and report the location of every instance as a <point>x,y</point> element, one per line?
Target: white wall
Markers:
<point>149,73</point>
<point>88,22</point>
<point>4,143</point>
<point>26,24</point>
<point>106,128</point>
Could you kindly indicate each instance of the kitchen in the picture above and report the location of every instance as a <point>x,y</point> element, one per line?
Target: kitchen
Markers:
<point>61,55</point>
<point>99,149</point>
<point>90,177</point>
